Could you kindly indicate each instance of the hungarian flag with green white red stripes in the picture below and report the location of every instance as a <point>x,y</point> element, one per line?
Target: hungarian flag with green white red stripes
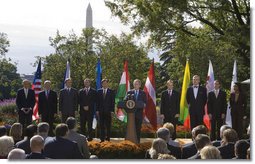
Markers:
<point>123,88</point>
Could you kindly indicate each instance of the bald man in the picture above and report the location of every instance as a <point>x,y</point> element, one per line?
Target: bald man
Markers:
<point>196,98</point>
<point>36,145</point>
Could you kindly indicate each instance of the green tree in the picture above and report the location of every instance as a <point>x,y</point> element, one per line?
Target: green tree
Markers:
<point>111,50</point>
<point>222,33</point>
<point>4,44</point>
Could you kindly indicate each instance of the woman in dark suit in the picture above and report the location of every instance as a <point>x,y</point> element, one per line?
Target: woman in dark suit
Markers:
<point>238,106</point>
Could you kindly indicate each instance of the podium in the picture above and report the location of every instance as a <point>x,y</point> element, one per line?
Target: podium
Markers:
<point>130,107</point>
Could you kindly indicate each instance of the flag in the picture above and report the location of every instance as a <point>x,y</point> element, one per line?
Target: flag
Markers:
<point>36,86</point>
<point>150,91</point>
<point>67,73</point>
<point>234,80</point>
<point>124,87</point>
<point>209,87</point>
<point>98,86</point>
<point>184,111</point>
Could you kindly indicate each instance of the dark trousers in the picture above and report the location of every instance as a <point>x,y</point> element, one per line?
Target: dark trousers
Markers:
<point>25,119</point>
<point>49,118</point>
<point>86,119</point>
<point>195,120</point>
<point>65,116</point>
<point>138,126</point>
<point>172,120</point>
<point>216,123</point>
<point>105,120</point>
<point>237,124</point>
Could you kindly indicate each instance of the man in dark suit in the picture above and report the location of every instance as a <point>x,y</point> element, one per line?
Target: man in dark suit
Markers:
<point>60,147</point>
<point>68,101</point>
<point>36,145</point>
<point>87,101</point>
<point>47,105</point>
<point>190,149</point>
<point>170,105</point>
<point>25,102</point>
<point>105,110</point>
<point>201,141</point>
<point>227,148</point>
<point>139,95</point>
<point>24,144</point>
<point>196,99</point>
<point>217,106</point>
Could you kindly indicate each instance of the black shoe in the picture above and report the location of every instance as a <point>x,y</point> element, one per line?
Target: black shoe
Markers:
<point>90,139</point>
<point>101,141</point>
<point>107,139</point>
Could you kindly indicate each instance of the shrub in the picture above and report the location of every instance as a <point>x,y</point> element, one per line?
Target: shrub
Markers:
<point>121,150</point>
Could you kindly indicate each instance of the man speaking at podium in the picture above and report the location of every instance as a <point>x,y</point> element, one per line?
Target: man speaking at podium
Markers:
<point>139,95</point>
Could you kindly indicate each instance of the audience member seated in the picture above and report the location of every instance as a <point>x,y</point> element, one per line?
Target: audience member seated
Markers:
<point>24,144</point>
<point>241,148</point>
<point>6,145</point>
<point>170,127</point>
<point>227,148</point>
<point>164,134</point>
<point>3,131</point>
<point>43,131</point>
<point>165,156</point>
<point>210,152</point>
<point>79,138</point>
<point>158,146</point>
<point>60,147</point>
<point>190,149</point>
<point>201,141</point>
<point>36,145</point>
<point>217,143</point>
<point>16,132</point>
<point>17,154</point>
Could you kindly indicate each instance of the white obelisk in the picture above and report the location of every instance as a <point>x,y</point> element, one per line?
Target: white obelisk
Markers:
<point>89,26</point>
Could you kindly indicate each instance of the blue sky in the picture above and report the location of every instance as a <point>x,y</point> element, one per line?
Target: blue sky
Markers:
<point>30,23</point>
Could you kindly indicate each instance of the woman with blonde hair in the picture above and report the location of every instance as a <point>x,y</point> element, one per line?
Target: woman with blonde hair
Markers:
<point>158,146</point>
<point>16,132</point>
<point>210,152</point>
<point>6,145</point>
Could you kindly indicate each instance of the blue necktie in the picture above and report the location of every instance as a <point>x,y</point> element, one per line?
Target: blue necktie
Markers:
<point>136,95</point>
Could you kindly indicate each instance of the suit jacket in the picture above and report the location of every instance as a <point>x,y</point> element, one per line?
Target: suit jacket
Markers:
<point>24,144</point>
<point>217,106</point>
<point>88,100</point>
<point>170,105</point>
<point>35,156</point>
<point>23,102</point>
<point>196,105</point>
<point>189,150</point>
<point>196,156</point>
<point>81,142</point>
<point>106,104</point>
<point>238,107</point>
<point>227,151</point>
<point>47,105</point>
<point>216,143</point>
<point>141,97</point>
<point>61,148</point>
<point>175,151</point>
<point>68,102</point>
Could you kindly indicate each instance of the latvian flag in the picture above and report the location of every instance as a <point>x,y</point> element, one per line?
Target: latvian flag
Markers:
<point>36,86</point>
<point>150,90</point>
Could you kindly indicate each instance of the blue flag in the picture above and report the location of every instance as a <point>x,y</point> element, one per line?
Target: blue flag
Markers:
<point>99,75</point>
<point>98,86</point>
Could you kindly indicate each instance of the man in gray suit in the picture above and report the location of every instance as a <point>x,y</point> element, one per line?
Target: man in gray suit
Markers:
<point>79,138</point>
<point>68,101</point>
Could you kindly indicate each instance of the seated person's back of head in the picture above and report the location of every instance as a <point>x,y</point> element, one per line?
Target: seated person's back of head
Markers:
<point>241,148</point>
<point>17,154</point>
<point>6,145</point>
<point>210,152</point>
<point>3,131</point>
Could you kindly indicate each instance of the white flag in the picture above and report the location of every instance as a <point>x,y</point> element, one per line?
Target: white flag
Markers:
<point>234,80</point>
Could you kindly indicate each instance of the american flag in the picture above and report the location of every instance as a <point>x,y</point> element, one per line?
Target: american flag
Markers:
<point>36,86</point>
